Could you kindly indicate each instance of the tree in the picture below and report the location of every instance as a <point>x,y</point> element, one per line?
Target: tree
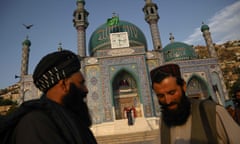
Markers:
<point>4,102</point>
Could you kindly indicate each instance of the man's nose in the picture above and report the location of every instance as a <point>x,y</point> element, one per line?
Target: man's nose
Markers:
<point>168,99</point>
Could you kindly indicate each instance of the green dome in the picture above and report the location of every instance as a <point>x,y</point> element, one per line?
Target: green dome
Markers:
<point>204,27</point>
<point>177,51</point>
<point>100,38</point>
<point>26,42</point>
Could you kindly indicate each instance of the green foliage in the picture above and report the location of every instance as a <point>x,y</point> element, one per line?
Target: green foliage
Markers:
<point>4,102</point>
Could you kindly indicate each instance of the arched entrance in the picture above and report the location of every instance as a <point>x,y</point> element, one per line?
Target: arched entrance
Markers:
<point>197,88</point>
<point>125,95</point>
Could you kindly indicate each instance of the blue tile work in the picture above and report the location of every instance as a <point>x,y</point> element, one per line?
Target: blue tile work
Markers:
<point>99,81</point>
<point>211,69</point>
<point>94,95</point>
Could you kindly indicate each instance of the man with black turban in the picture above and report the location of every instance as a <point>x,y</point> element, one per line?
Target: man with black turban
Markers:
<point>61,115</point>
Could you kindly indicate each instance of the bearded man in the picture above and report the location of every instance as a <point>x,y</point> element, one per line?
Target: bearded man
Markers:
<point>61,115</point>
<point>189,121</point>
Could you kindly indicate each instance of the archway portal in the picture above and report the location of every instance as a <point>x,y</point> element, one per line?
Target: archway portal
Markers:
<point>197,89</point>
<point>125,96</point>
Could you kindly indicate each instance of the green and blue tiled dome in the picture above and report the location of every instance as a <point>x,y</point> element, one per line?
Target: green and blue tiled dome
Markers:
<point>100,38</point>
<point>177,51</point>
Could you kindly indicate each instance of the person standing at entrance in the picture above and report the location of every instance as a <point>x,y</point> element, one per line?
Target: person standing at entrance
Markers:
<point>186,120</point>
<point>129,114</point>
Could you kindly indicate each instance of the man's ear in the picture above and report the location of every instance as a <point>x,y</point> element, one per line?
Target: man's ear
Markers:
<point>63,85</point>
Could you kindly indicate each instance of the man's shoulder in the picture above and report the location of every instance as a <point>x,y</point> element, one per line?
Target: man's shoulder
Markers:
<point>35,114</point>
<point>204,102</point>
<point>36,111</point>
<point>35,118</point>
<point>204,106</point>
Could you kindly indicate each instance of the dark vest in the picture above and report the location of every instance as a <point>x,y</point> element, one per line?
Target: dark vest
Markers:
<point>203,129</point>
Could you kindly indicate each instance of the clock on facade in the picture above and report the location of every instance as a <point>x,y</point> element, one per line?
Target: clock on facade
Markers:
<point>119,40</point>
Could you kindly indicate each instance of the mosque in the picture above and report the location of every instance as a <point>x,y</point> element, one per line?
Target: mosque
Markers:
<point>117,71</point>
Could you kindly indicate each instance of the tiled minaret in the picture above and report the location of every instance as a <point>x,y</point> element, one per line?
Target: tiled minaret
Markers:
<point>80,22</point>
<point>25,57</point>
<point>213,54</point>
<point>152,17</point>
<point>208,40</point>
<point>24,67</point>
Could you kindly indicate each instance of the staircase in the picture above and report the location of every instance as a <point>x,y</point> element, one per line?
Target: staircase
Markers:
<point>144,131</point>
<point>147,137</point>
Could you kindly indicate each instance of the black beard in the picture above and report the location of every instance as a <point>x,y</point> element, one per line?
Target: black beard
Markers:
<point>74,101</point>
<point>178,116</point>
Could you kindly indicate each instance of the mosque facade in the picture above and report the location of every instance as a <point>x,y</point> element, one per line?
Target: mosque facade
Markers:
<point>117,68</point>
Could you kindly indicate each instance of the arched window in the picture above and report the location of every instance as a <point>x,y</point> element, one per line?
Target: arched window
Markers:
<point>196,88</point>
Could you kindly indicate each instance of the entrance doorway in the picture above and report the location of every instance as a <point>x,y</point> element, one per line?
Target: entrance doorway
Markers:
<point>125,95</point>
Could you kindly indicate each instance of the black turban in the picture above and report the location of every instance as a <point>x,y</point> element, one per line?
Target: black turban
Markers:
<point>54,67</point>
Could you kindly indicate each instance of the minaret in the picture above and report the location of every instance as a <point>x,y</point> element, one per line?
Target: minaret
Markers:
<point>152,17</point>
<point>60,47</point>
<point>80,22</point>
<point>24,68</point>
<point>208,40</point>
<point>171,38</point>
<point>213,54</point>
<point>25,57</point>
